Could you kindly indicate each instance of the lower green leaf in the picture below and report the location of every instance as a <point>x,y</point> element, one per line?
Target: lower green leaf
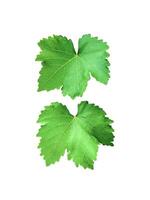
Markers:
<point>80,135</point>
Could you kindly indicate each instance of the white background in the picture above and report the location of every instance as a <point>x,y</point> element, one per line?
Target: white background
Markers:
<point>121,172</point>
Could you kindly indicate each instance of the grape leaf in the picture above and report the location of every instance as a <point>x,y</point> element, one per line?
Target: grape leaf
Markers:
<point>80,135</point>
<point>63,68</point>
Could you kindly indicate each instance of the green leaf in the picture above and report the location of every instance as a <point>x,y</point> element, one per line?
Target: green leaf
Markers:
<point>63,68</point>
<point>80,135</point>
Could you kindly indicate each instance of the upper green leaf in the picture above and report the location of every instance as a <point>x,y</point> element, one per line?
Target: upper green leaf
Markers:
<point>66,69</point>
<point>79,135</point>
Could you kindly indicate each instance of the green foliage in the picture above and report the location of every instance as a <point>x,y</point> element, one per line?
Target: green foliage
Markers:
<point>80,135</point>
<point>63,68</point>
